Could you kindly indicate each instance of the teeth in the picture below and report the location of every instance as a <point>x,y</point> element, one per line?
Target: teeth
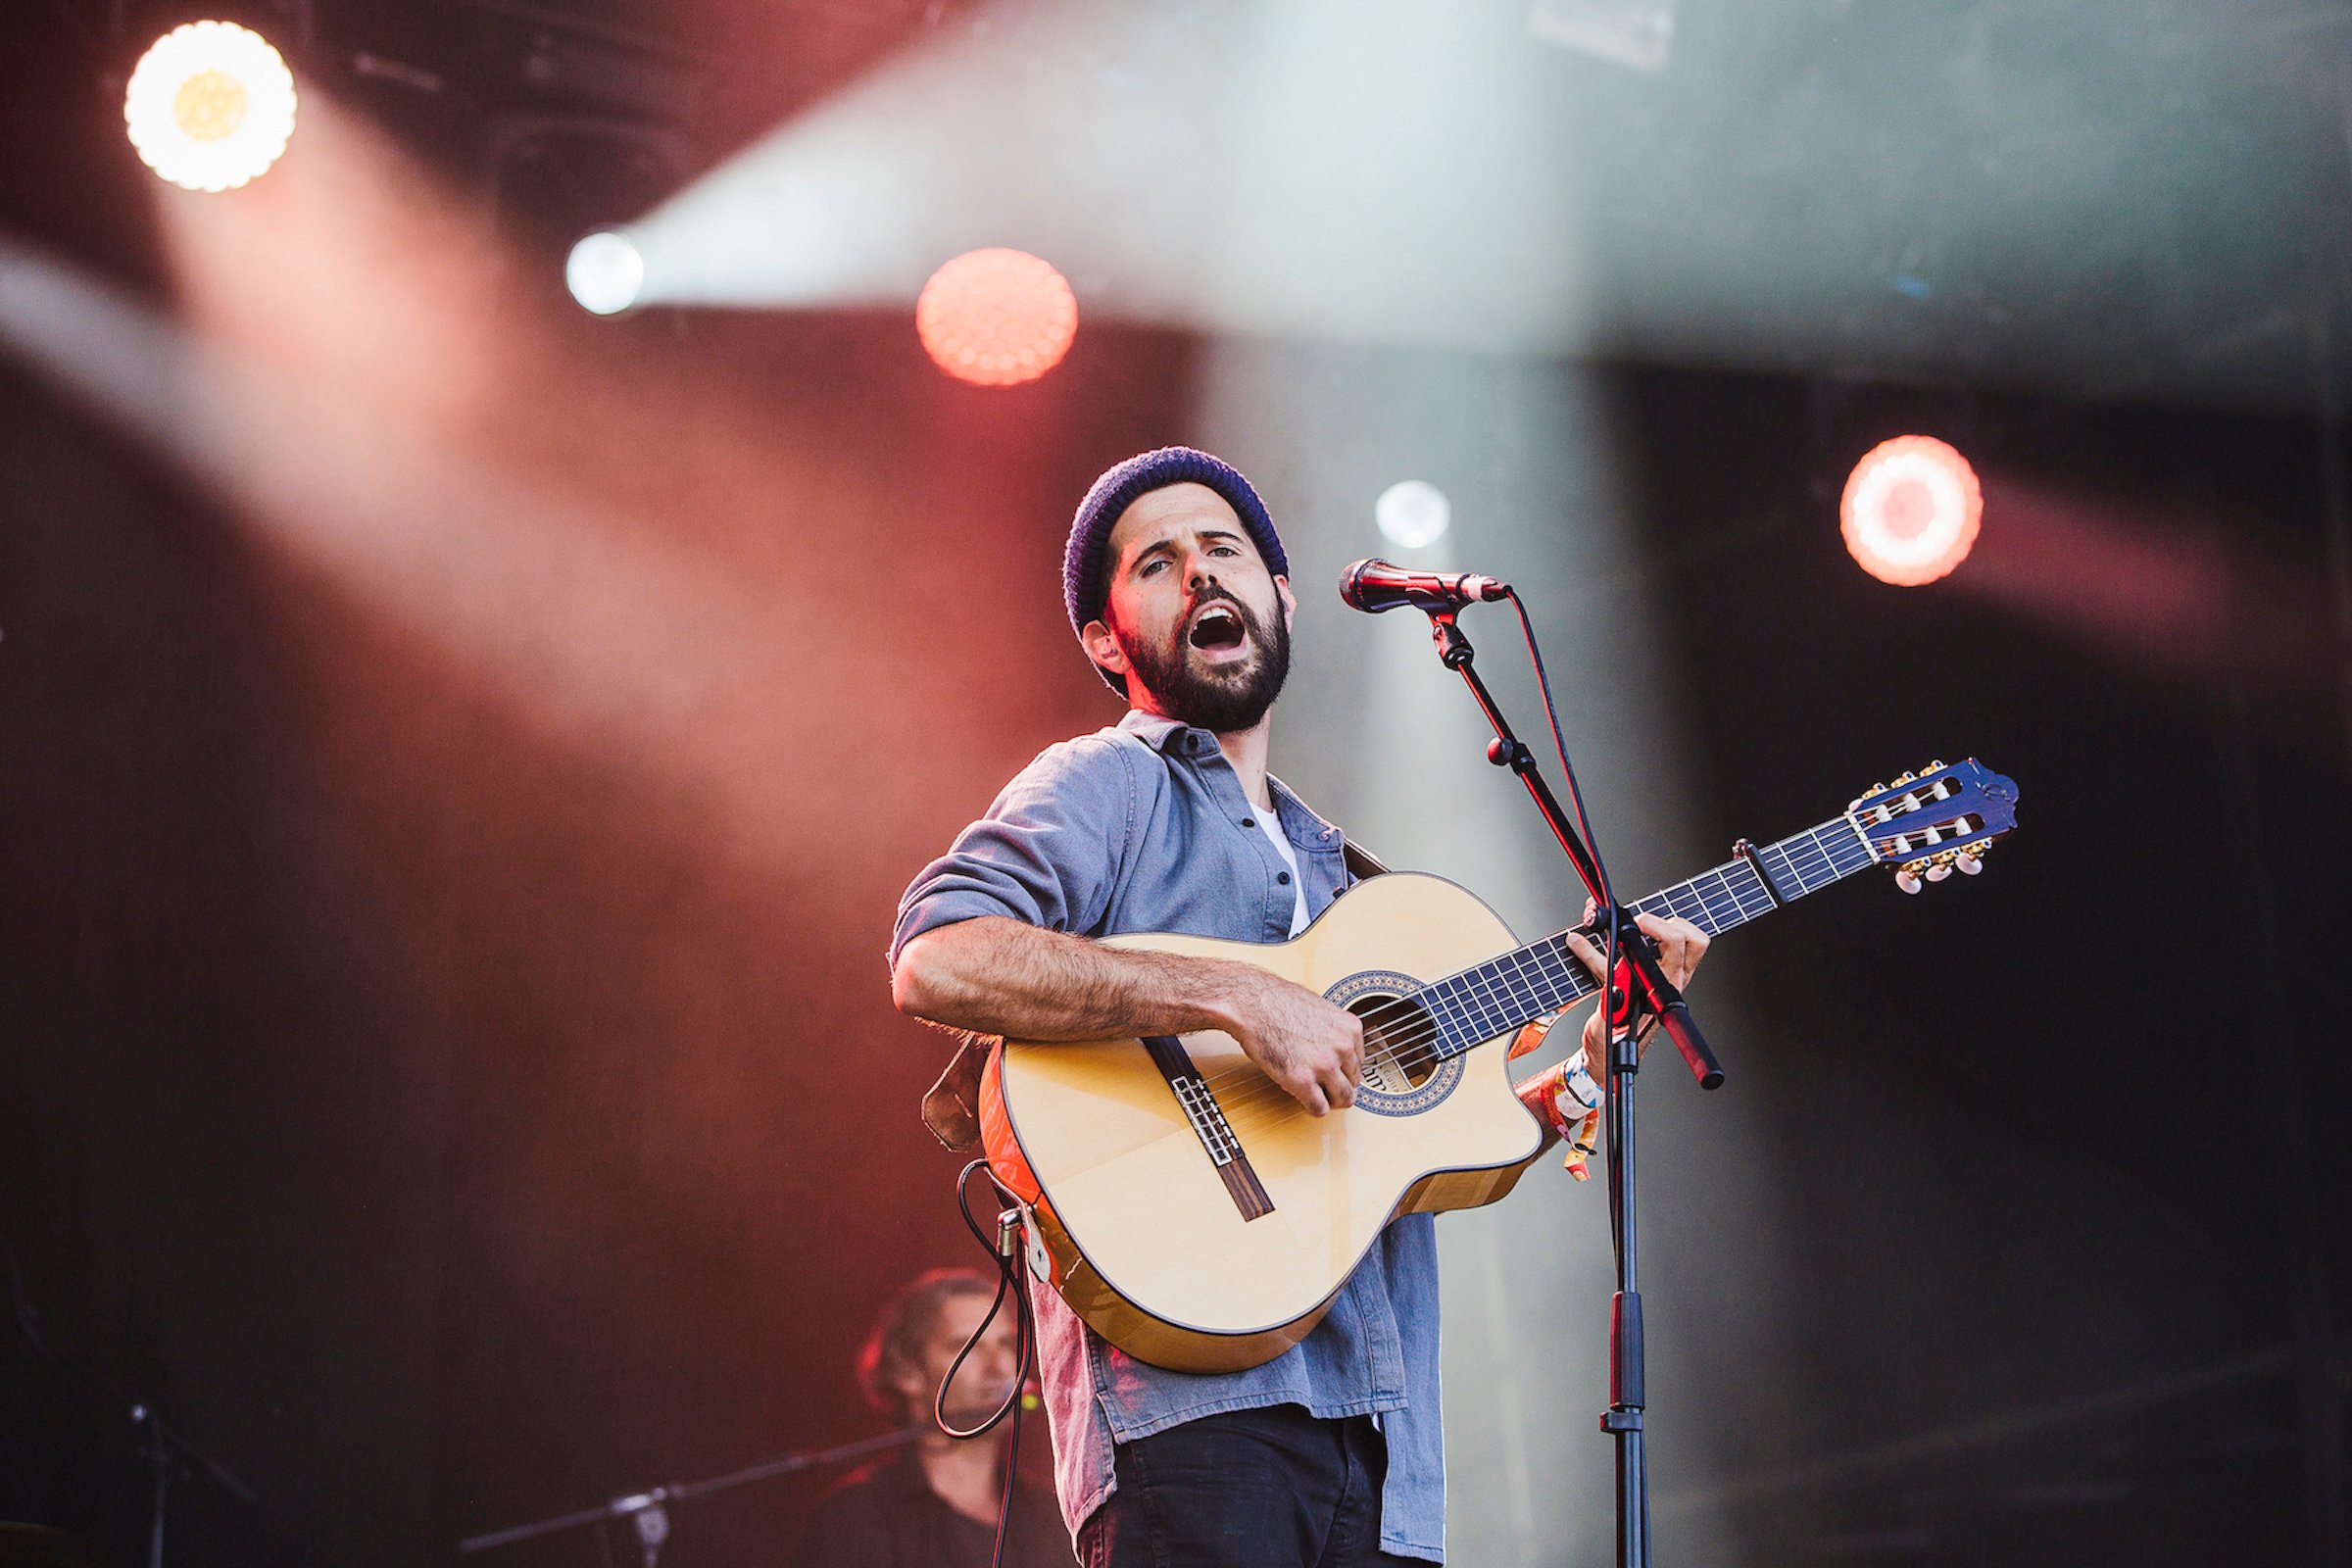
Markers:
<point>1214,625</point>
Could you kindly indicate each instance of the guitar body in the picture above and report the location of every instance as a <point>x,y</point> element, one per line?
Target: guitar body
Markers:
<point>1200,1265</point>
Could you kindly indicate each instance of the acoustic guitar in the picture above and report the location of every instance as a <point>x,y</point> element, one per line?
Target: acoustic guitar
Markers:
<point>1195,1215</point>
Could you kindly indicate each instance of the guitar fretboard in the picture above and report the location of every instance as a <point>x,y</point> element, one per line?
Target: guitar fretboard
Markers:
<point>1497,997</point>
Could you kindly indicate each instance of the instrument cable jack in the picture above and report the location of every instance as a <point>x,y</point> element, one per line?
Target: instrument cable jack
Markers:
<point>1005,1249</point>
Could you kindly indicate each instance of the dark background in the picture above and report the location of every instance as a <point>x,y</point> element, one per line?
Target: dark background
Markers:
<point>446,1118</point>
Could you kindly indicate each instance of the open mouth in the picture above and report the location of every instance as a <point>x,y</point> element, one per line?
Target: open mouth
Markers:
<point>1218,628</point>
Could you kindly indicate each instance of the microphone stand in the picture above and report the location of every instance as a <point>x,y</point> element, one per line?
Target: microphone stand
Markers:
<point>648,1511</point>
<point>168,1455</point>
<point>1643,992</point>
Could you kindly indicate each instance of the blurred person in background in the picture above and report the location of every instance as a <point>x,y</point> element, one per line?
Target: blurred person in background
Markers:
<point>933,1503</point>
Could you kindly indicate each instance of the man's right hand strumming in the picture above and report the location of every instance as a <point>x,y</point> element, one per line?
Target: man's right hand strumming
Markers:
<point>996,976</point>
<point>1310,1047</point>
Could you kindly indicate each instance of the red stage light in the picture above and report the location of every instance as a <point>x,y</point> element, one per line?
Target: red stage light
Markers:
<point>996,317</point>
<point>1910,510</point>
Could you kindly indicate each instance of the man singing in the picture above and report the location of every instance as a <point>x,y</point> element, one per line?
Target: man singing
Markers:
<point>1330,1454</point>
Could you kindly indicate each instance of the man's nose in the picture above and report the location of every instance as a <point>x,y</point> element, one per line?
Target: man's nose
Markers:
<point>1199,571</point>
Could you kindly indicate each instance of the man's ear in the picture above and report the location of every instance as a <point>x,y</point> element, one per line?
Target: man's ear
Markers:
<point>1104,648</point>
<point>1290,601</point>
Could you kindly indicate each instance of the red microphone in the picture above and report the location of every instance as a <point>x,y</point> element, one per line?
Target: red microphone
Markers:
<point>1376,585</point>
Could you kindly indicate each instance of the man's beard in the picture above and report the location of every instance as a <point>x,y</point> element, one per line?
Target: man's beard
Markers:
<point>1222,698</point>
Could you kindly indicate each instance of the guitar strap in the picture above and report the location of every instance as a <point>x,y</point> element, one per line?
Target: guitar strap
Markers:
<point>951,1109</point>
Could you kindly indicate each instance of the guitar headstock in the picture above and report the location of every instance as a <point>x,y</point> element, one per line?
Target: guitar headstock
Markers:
<point>1936,821</point>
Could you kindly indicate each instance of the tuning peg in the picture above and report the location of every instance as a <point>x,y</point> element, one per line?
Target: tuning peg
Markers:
<point>1903,779</point>
<point>1939,871</point>
<point>1936,767</point>
<point>1908,878</point>
<point>1970,865</point>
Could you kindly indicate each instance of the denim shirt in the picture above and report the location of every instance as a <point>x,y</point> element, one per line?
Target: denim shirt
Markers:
<point>1145,828</point>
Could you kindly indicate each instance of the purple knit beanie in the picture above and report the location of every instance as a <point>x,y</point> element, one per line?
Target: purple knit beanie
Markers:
<point>1084,571</point>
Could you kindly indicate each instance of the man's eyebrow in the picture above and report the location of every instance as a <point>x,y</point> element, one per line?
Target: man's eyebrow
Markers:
<point>1161,544</point>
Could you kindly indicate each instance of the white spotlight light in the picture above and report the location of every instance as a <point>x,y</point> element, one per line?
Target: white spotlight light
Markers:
<point>1413,512</point>
<point>210,105</point>
<point>605,272</point>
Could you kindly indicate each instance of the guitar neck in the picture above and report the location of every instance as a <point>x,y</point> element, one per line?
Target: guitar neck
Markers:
<point>1499,996</point>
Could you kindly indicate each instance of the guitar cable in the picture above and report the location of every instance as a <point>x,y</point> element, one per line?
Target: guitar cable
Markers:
<point>1005,1249</point>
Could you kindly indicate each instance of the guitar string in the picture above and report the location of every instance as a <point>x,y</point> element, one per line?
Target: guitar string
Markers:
<point>1265,1091</point>
<point>1242,1106</point>
<point>1729,906</point>
<point>1548,961</point>
<point>1710,906</point>
<point>1403,1049</point>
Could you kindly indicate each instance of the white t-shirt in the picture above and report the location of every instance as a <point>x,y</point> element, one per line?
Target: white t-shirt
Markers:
<point>1270,822</point>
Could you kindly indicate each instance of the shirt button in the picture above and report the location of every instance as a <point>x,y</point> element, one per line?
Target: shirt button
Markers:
<point>1283,877</point>
<point>1249,822</point>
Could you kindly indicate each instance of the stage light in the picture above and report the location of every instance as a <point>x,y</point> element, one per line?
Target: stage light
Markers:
<point>605,272</point>
<point>1413,514</point>
<point>1910,510</point>
<point>210,105</point>
<point>996,317</point>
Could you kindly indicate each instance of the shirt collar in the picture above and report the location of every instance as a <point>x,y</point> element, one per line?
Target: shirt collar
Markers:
<point>1170,737</point>
<point>1164,734</point>
<point>1322,835</point>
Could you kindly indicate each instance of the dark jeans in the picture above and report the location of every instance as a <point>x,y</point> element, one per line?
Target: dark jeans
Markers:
<point>1251,1488</point>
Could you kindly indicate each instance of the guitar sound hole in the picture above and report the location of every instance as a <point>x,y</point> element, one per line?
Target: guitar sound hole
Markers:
<point>1398,1037</point>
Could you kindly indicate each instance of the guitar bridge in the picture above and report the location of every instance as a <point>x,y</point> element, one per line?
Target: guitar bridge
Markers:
<point>1208,1124</point>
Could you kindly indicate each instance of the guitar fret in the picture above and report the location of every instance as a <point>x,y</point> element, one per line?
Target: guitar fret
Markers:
<point>1434,1002</point>
<point>1748,894</point>
<point>1727,892</point>
<point>1731,892</point>
<point>1487,1000</point>
<point>1527,981</point>
<point>1482,1021</point>
<point>1839,840</point>
<point>1464,1002</point>
<point>1560,972</point>
<point>1806,880</point>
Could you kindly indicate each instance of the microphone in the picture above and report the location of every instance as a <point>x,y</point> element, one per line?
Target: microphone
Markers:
<point>1375,585</point>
